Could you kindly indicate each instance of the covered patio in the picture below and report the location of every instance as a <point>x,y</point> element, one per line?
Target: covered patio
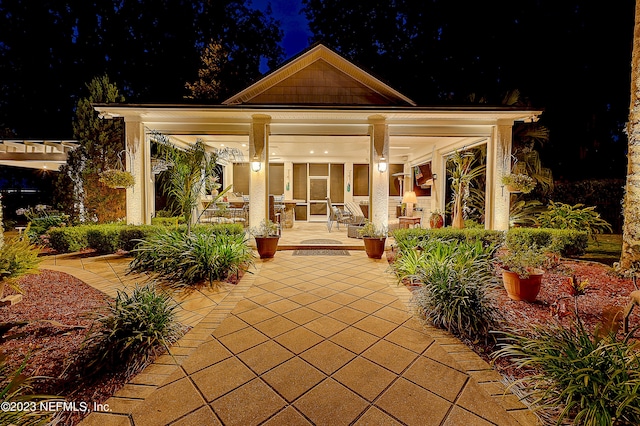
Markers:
<point>321,127</point>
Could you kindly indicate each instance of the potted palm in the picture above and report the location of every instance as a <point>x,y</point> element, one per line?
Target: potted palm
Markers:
<point>522,271</point>
<point>374,239</point>
<point>518,182</point>
<point>267,236</point>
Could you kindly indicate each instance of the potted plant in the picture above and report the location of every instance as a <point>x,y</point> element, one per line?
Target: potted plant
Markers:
<point>522,271</point>
<point>267,236</point>
<point>518,182</point>
<point>117,179</point>
<point>436,220</point>
<point>374,239</point>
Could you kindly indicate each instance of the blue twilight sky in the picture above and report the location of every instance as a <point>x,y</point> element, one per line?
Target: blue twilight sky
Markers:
<point>294,24</point>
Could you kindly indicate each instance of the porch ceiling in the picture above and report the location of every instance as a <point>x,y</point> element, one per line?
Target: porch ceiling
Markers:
<point>334,134</point>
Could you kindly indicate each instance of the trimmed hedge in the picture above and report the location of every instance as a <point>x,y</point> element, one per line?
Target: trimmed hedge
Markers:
<point>417,237</point>
<point>131,234</point>
<point>167,221</point>
<point>104,238</point>
<point>68,238</point>
<point>108,238</point>
<point>566,242</point>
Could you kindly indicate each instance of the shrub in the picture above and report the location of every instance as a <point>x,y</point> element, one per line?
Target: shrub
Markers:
<point>130,235</point>
<point>17,258</point>
<point>40,225</point>
<point>565,242</point>
<point>458,287</point>
<point>68,239</point>
<point>104,238</point>
<point>417,237</point>
<point>577,217</point>
<point>167,221</point>
<point>136,327</point>
<point>591,380</point>
<point>178,259</point>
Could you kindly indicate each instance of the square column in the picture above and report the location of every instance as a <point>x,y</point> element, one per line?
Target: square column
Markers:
<point>139,198</point>
<point>259,179</point>
<point>379,173</point>
<point>498,199</point>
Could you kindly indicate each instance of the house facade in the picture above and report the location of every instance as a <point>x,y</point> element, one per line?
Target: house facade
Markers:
<point>320,127</point>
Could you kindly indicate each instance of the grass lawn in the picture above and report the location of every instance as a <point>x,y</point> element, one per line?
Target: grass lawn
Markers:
<point>606,250</point>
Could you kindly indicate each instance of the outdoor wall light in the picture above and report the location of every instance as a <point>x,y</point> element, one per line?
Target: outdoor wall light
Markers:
<point>382,165</point>
<point>256,165</point>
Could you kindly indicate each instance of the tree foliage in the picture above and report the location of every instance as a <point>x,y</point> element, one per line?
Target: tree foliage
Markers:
<point>150,48</point>
<point>442,51</point>
<point>80,191</point>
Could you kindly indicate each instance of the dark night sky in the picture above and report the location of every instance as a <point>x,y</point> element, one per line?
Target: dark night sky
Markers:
<point>294,25</point>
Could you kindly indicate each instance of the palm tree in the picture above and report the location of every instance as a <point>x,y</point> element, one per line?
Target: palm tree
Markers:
<point>630,257</point>
<point>187,175</point>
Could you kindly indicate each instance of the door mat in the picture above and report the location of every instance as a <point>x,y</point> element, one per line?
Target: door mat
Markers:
<point>321,252</point>
<point>320,241</point>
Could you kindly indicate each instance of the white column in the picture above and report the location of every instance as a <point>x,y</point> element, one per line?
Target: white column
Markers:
<point>497,198</point>
<point>259,180</point>
<point>379,181</point>
<point>138,154</point>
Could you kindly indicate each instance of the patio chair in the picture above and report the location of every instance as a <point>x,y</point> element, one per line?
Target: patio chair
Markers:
<point>357,216</point>
<point>336,215</point>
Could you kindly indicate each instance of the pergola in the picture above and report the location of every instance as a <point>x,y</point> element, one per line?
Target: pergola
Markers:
<point>320,108</point>
<point>35,154</point>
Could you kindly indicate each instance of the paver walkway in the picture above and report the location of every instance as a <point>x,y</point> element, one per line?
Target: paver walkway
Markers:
<point>325,340</point>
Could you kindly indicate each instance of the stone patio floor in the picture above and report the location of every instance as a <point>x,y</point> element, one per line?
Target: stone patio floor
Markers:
<point>303,340</point>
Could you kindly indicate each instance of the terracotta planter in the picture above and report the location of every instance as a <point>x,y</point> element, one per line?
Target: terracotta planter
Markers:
<point>526,289</point>
<point>374,247</point>
<point>436,221</point>
<point>267,246</point>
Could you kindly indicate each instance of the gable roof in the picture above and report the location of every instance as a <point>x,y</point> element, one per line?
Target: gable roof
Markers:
<point>319,76</point>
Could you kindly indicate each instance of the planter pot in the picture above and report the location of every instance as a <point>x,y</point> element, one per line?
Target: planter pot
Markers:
<point>267,246</point>
<point>436,221</point>
<point>513,189</point>
<point>522,288</point>
<point>374,247</point>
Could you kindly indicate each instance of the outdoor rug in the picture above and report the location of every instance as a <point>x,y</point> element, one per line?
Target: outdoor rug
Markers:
<point>321,252</point>
<point>320,241</point>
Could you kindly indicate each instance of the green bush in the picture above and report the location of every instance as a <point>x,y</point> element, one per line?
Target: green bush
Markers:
<point>565,242</point>
<point>418,237</point>
<point>131,234</point>
<point>577,217</point>
<point>135,327</point>
<point>41,224</point>
<point>458,287</point>
<point>179,259</point>
<point>17,258</point>
<point>167,221</point>
<point>591,380</point>
<point>68,239</point>
<point>104,238</point>
<point>221,228</point>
